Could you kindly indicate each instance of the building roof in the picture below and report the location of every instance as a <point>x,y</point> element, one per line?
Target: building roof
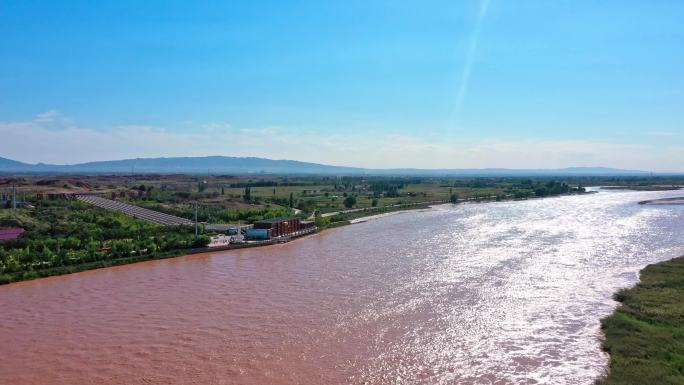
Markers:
<point>11,233</point>
<point>276,220</point>
<point>220,226</point>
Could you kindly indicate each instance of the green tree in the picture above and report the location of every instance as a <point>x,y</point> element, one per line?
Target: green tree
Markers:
<point>322,221</point>
<point>122,248</point>
<point>248,194</point>
<point>200,241</point>
<point>374,203</point>
<point>349,201</point>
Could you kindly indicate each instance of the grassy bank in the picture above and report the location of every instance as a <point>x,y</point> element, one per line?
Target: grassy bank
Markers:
<point>61,270</point>
<point>645,336</point>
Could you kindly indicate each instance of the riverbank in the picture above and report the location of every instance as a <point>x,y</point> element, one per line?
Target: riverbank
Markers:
<point>346,219</point>
<point>69,269</point>
<point>645,335</point>
<point>664,201</point>
<point>339,219</point>
<point>643,188</point>
<point>353,216</point>
<point>349,218</point>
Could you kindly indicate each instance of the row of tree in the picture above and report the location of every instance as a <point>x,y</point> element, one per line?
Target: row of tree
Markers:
<point>64,233</point>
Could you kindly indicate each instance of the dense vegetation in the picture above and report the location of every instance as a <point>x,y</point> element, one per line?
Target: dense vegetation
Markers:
<point>65,233</point>
<point>645,336</point>
<point>258,198</point>
<point>213,213</point>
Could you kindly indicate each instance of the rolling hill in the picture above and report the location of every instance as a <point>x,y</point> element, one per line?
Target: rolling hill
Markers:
<point>253,165</point>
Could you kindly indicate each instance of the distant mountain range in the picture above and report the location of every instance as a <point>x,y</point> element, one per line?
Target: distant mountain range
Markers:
<point>250,165</point>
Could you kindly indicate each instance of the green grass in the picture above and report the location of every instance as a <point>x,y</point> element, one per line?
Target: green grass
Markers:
<point>645,336</point>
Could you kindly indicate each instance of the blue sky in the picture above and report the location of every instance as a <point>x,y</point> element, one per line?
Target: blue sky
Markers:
<point>495,83</point>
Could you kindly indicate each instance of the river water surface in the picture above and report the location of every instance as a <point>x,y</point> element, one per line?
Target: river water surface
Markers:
<point>497,293</point>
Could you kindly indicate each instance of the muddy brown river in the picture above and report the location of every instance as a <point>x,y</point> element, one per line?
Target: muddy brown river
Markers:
<point>497,293</point>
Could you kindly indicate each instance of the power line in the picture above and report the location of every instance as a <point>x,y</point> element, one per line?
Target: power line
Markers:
<point>196,229</point>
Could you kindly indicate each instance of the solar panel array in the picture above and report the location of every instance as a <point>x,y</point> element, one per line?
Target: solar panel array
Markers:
<point>135,211</point>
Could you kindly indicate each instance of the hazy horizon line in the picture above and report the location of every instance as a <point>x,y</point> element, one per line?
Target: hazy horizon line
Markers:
<point>538,168</point>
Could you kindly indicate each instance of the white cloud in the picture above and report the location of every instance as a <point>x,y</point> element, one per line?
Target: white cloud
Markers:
<point>52,138</point>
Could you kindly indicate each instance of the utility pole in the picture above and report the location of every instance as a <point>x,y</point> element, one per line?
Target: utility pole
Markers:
<point>196,229</point>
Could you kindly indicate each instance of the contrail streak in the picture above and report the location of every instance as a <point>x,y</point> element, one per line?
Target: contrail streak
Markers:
<point>470,56</point>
